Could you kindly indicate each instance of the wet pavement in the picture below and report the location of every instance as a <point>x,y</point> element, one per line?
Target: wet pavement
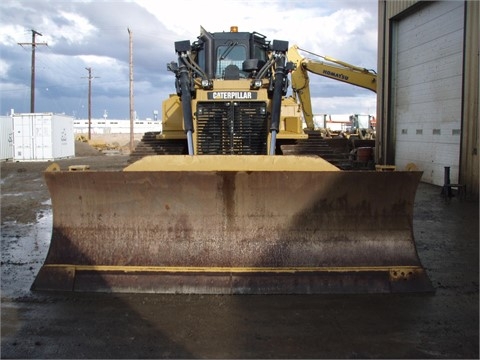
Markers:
<point>443,324</point>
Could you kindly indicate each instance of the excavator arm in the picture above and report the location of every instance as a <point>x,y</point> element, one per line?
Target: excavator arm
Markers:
<point>333,69</point>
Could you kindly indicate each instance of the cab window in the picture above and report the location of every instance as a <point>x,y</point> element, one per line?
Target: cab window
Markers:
<point>230,54</point>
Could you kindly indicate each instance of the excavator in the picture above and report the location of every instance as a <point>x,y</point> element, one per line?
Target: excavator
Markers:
<point>217,207</point>
<point>342,151</point>
<point>330,68</point>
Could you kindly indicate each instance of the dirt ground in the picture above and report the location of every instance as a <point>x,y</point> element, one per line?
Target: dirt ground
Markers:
<point>444,324</point>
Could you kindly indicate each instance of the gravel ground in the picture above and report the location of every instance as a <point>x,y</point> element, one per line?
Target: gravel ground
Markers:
<point>444,324</point>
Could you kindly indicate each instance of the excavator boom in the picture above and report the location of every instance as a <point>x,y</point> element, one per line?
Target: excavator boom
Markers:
<point>333,69</point>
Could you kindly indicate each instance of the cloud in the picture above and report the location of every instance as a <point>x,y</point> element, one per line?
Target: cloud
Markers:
<point>350,105</point>
<point>4,67</point>
<point>69,28</point>
<point>93,34</point>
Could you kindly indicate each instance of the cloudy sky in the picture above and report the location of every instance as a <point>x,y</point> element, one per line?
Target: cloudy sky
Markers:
<point>94,34</point>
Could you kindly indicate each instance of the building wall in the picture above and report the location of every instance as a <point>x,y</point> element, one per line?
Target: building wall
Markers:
<point>102,126</point>
<point>466,147</point>
<point>469,160</point>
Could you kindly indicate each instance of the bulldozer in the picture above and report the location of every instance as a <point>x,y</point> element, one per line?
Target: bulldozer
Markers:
<point>213,205</point>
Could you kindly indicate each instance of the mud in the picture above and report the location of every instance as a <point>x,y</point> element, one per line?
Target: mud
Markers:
<point>443,324</point>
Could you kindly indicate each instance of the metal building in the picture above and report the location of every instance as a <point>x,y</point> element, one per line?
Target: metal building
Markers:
<point>428,72</point>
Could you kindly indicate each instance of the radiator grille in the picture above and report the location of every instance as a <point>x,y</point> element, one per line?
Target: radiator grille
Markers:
<point>232,128</point>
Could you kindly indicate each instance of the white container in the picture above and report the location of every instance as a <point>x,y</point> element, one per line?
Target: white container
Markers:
<point>42,136</point>
<point>6,138</point>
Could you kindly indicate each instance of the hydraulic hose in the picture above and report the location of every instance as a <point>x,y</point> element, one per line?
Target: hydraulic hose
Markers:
<point>186,98</point>
<point>277,100</point>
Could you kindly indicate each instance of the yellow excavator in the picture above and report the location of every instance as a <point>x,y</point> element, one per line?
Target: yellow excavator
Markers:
<point>219,208</point>
<point>342,151</point>
<point>330,68</point>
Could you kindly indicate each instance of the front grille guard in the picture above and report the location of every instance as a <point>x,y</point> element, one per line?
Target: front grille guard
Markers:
<point>232,128</point>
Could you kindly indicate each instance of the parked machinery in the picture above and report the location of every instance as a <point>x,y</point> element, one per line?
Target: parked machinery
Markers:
<point>220,208</point>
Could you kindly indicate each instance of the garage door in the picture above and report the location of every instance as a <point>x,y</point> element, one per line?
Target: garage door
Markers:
<point>427,89</point>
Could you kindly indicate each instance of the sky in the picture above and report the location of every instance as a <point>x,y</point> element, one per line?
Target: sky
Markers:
<point>95,34</point>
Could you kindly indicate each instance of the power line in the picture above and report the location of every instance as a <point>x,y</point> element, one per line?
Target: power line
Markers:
<point>90,77</point>
<point>33,44</point>
<point>132,109</point>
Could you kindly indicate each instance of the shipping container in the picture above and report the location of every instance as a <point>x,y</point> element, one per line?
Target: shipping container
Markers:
<point>42,136</point>
<point>6,138</point>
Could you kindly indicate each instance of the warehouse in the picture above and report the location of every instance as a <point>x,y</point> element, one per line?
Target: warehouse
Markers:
<point>428,95</point>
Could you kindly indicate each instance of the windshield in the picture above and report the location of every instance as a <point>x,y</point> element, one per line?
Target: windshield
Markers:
<point>230,54</point>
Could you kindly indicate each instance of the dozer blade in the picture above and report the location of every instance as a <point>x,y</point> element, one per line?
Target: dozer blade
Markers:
<point>233,225</point>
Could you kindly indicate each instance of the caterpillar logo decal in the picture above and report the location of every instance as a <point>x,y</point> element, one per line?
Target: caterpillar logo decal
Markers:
<point>232,95</point>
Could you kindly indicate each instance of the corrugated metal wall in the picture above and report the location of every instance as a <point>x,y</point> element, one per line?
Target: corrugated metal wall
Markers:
<point>388,12</point>
<point>469,161</point>
<point>395,8</point>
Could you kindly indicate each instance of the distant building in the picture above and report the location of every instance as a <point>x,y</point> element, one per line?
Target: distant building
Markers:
<point>344,122</point>
<point>112,126</point>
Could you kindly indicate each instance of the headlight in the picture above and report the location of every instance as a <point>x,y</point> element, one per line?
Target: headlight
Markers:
<point>206,84</point>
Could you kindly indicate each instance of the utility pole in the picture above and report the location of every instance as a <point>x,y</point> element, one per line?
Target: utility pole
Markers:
<point>90,77</point>
<point>33,44</point>
<point>132,110</point>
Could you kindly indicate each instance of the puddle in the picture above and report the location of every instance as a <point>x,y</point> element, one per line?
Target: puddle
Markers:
<point>24,248</point>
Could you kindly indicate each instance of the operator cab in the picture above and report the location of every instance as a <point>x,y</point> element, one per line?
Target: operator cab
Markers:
<point>230,55</point>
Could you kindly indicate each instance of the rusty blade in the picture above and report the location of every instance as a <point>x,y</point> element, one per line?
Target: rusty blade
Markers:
<point>259,226</point>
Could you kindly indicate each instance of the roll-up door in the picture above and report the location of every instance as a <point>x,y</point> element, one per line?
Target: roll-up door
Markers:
<point>427,89</point>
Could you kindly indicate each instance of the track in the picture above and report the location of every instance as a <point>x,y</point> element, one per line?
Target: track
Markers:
<point>151,145</point>
<point>337,151</point>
